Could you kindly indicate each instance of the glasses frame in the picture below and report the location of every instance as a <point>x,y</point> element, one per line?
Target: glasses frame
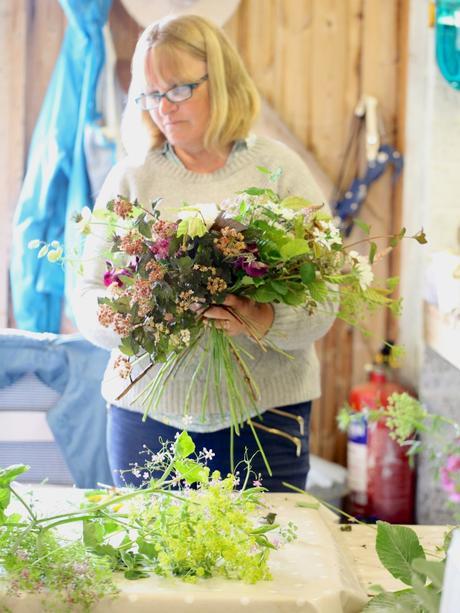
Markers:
<point>143,99</point>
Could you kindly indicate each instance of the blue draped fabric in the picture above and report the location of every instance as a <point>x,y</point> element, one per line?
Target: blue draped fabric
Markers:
<point>56,184</point>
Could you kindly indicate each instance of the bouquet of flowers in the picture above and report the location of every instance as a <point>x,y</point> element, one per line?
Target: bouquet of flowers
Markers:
<point>163,273</point>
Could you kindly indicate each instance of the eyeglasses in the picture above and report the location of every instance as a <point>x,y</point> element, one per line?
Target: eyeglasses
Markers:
<point>178,93</point>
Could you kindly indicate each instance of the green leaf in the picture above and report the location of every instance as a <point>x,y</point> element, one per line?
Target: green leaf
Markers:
<point>279,287</point>
<point>254,191</point>
<point>372,252</point>
<point>191,471</point>
<point>128,346</point>
<point>134,574</point>
<point>93,533</point>
<point>397,547</point>
<point>264,170</point>
<point>420,237</point>
<point>184,445</point>
<point>264,294</point>
<point>434,570</point>
<point>308,505</point>
<point>404,601</point>
<point>307,273</point>
<point>294,248</point>
<point>363,226</point>
<point>318,291</point>
<point>397,237</point>
<point>428,597</point>
<point>295,203</point>
<point>192,227</point>
<point>7,475</point>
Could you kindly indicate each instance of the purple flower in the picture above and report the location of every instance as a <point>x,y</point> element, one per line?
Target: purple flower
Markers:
<point>253,268</point>
<point>160,248</point>
<point>113,275</point>
<point>450,477</point>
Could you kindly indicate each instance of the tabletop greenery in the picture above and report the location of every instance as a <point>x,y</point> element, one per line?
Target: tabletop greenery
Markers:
<point>185,523</point>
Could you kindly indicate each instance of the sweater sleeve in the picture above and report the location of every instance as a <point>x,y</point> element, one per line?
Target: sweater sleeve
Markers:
<point>293,327</point>
<point>90,284</point>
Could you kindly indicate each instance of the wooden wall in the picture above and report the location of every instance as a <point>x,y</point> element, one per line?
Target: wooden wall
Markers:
<point>311,59</point>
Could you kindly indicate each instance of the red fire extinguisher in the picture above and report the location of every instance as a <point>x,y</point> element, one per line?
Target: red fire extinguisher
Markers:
<point>380,477</point>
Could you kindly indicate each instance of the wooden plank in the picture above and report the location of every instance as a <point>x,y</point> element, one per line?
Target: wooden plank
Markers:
<point>400,144</point>
<point>13,46</point>
<point>379,71</point>
<point>335,89</point>
<point>44,39</point>
<point>292,68</point>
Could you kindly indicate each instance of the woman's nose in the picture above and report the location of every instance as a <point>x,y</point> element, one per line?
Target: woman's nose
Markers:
<point>166,106</point>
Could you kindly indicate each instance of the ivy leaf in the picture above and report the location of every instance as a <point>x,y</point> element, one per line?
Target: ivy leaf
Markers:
<point>397,547</point>
<point>184,445</point>
<point>404,601</point>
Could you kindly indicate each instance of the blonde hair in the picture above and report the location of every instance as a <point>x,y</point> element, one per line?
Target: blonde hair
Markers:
<point>234,100</point>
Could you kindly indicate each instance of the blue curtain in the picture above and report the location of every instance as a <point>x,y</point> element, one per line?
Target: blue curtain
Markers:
<point>56,184</point>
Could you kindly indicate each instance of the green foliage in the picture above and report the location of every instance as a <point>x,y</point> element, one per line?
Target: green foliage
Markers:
<point>397,547</point>
<point>164,528</point>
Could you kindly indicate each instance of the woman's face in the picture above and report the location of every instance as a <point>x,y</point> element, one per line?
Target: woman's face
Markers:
<point>183,123</point>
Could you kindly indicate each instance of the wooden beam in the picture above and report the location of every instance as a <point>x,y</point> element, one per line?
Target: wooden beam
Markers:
<point>13,88</point>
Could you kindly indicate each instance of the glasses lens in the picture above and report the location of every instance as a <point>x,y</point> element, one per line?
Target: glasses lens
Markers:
<point>180,93</point>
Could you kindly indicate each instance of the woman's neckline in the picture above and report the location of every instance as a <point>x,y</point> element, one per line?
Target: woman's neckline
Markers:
<point>236,160</point>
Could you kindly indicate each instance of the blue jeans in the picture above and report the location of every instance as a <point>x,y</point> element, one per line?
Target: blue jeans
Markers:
<point>284,445</point>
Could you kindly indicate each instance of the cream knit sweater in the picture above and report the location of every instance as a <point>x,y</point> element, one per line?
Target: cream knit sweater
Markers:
<point>281,381</point>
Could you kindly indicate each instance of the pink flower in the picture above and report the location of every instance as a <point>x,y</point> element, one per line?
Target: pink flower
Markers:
<point>450,477</point>
<point>113,275</point>
<point>160,248</point>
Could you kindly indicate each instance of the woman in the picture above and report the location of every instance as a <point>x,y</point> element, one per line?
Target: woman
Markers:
<point>186,129</point>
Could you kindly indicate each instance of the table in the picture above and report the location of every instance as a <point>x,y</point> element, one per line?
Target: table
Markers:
<point>324,571</point>
<point>360,542</point>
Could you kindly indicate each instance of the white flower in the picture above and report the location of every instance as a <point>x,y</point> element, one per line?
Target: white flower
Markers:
<point>327,235</point>
<point>83,220</point>
<point>363,268</point>
<point>185,336</point>
<point>187,420</point>
<point>208,454</point>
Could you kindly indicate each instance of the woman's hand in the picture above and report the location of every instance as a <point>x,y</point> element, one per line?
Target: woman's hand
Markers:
<point>251,318</point>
